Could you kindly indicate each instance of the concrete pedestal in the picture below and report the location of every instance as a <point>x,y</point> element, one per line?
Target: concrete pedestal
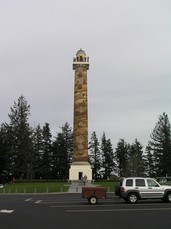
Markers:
<point>79,170</point>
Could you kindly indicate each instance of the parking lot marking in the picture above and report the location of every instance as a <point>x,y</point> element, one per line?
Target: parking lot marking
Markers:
<point>6,211</point>
<point>38,201</point>
<point>28,199</point>
<point>120,210</point>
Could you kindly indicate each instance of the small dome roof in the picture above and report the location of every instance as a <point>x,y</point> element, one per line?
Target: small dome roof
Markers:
<point>81,52</point>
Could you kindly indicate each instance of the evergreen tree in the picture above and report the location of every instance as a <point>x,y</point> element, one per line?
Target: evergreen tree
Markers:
<point>95,156</point>
<point>20,135</point>
<point>7,150</point>
<point>46,152</point>
<point>107,157</point>
<point>60,162</point>
<point>150,168</point>
<point>122,154</point>
<point>68,138</point>
<point>136,159</point>
<point>38,152</point>
<point>4,156</point>
<point>62,152</point>
<point>160,146</point>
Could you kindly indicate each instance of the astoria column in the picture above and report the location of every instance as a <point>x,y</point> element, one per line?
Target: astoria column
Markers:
<point>80,165</point>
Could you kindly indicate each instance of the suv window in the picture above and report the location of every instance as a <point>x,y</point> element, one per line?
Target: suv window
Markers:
<point>152,183</point>
<point>129,182</point>
<point>140,182</point>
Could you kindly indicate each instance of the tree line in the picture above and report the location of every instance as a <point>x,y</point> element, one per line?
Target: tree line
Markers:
<point>33,153</point>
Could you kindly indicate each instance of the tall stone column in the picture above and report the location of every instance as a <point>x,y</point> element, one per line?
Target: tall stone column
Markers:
<point>80,165</point>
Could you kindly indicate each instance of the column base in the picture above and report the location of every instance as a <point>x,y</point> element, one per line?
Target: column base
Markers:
<point>79,170</point>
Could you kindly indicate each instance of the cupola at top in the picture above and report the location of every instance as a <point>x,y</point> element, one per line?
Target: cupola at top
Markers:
<point>81,59</point>
<point>80,53</point>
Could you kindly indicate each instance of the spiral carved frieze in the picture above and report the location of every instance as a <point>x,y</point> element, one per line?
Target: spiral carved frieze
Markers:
<point>80,115</point>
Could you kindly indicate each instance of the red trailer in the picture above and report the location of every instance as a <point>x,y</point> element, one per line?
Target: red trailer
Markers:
<point>93,194</point>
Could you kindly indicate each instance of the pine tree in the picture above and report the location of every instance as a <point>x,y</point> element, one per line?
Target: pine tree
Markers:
<point>4,156</point>
<point>62,153</point>
<point>107,157</point>
<point>60,162</point>
<point>95,156</point>
<point>136,159</point>
<point>150,167</point>
<point>46,152</point>
<point>38,152</point>
<point>122,153</point>
<point>20,135</point>
<point>68,138</point>
<point>7,151</point>
<point>160,146</point>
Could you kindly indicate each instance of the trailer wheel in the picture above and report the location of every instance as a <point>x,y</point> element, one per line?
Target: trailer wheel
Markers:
<point>93,200</point>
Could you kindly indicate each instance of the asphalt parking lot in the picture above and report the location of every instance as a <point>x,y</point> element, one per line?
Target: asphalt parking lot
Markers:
<point>70,210</point>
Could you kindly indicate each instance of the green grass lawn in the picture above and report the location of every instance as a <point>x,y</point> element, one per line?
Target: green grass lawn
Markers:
<point>110,185</point>
<point>47,187</point>
<point>35,187</point>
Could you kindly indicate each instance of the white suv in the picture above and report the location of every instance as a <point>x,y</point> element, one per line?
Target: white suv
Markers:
<point>132,189</point>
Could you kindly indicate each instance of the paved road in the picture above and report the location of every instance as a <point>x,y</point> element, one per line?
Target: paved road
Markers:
<point>71,211</point>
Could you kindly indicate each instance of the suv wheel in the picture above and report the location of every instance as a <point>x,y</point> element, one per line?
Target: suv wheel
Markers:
<point>132,198</point>
<point>168,197</point>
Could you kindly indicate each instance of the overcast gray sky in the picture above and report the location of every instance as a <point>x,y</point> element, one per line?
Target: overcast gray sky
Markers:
<point>129,46</point>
